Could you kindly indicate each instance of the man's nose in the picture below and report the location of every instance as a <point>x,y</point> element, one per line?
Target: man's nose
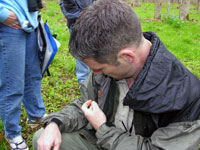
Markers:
<point>97,72</point>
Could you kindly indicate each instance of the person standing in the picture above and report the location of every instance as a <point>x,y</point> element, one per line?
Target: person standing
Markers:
<point>71,10</point>
<point>20,74</point>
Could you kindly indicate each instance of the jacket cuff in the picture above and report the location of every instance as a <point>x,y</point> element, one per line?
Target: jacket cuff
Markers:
<point>103,129</point>
<point>3,14</point>
<point>55,120</point>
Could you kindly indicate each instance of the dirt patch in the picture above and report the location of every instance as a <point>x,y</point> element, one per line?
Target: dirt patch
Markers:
<point>194,20</point>
<point>63,20</point>
<point>2,136</point>
<point>151,20</point>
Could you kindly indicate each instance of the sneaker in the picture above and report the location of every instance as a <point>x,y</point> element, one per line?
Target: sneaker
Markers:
<point>35,123</point>
<point>17,143</point>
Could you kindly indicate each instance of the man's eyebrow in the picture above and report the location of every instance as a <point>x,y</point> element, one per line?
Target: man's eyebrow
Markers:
<point>98,69</point>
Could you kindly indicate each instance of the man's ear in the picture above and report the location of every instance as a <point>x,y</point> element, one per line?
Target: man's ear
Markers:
<point>127,55</point>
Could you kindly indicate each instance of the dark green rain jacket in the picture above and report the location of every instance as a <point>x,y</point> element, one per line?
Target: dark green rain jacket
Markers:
<point>166,102</point>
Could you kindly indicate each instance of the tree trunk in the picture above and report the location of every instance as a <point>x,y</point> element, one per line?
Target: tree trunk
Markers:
<point>168,8</point>
<point>137,3</point>
<point>180,2</point>
<point>173,1</point>
<point>184,10</point>
<point>133,3</point>
<point>198,7</point>
<point>157,14</point>
<point>44,4</point>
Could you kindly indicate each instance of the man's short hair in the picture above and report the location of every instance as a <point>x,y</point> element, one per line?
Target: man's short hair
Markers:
<point>103,29</point>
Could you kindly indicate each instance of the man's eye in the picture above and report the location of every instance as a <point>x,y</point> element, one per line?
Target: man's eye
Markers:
<point>97,70</point>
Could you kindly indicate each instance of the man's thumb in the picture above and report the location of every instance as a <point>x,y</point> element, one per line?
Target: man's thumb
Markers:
<point>94,104</point>
<point>56,147</point>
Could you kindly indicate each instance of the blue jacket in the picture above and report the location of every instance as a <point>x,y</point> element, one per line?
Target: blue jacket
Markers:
<point>20,8</point>
<point>72,9</point>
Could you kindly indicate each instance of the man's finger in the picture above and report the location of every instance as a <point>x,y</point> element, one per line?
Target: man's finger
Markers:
<point>86,107</point>
<point>47,147</point>
<point>57,144</point>
<point>43,146</point>
<point>87,104</point>
<point>56,147</point>
<point>94,104</point>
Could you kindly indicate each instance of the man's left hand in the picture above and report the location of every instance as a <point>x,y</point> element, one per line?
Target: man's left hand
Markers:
<point>93,113</point>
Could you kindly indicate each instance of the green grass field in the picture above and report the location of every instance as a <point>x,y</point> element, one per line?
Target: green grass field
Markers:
<point>61,88</point>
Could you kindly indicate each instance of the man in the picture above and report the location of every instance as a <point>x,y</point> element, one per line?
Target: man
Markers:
<point>20,74</point>
<point>139,96</point>
<point>72,10</point>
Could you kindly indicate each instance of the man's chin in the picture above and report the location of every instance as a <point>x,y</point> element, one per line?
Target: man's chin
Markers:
<point>117,78</point>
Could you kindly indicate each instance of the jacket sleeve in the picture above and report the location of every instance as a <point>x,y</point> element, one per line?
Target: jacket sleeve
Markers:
<point>4,12</point>
<point>71,118</point>
<point>184,136</point>
<point>70,9</point>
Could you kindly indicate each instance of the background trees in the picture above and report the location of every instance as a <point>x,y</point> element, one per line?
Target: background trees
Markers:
<point>183,6</point>
<point>184,10</point>
<point>136,3</point>
<point>157,14</point>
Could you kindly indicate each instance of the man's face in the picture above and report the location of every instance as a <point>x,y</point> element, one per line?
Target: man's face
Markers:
<point>120,71</point>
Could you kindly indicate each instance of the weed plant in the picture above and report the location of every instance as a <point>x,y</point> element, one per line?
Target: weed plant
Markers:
<point>174,21</point>
<point>61,88</point>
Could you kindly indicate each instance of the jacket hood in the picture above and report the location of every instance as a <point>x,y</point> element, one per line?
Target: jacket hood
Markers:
<point>164,84</point>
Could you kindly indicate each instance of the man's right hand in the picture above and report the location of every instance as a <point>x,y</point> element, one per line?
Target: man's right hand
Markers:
<point>50,137</point>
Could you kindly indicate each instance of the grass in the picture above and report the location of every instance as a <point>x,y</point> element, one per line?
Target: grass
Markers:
<point>61,88</point>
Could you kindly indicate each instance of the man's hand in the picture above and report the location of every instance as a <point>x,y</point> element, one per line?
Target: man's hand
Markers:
<point>12,21</point>
<point>50,137</point>
<point>93,114</point>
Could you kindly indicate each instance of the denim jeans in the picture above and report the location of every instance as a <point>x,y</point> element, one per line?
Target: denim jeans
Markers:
<point>82,70</point>
<point>20,79</point>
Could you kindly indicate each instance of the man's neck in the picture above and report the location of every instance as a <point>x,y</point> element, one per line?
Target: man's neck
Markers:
<point>144,52</point>
<point>130,82</point>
